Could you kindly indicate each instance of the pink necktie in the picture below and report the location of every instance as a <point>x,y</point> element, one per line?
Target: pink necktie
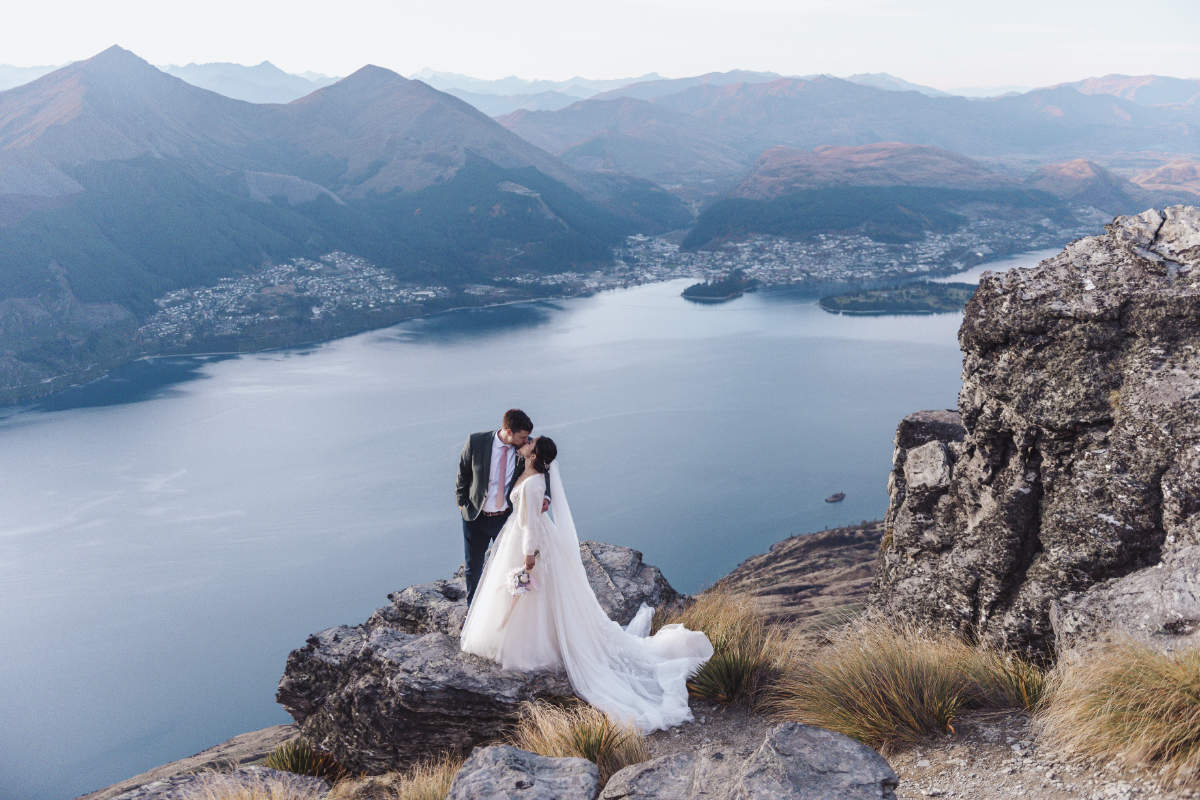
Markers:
<point>500,484</point>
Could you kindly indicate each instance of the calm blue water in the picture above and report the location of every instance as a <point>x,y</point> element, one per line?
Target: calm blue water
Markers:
<point>169,534</point>
<point>999,265</point>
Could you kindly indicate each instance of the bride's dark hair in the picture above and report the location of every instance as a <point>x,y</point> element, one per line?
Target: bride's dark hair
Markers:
<point>546,452</point>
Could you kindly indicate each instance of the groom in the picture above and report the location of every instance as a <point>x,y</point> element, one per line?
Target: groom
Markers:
<point>487,469</point>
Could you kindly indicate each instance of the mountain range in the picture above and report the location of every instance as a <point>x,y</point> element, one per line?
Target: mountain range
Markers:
<point>343,167</point>
<point>1150,90</point>
<point>121,182</point>
<point>898,192</point>
<point>261,83</point>
<point>578,87</point>
<point>718,131</point>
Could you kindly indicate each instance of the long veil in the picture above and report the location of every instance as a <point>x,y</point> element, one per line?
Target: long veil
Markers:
<point>633,677</point>
<point>560,509</point>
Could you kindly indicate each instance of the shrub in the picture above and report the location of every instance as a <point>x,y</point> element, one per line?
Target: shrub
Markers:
<point>892,686</point>
<point>1130,703</point>
<point>579,730</point>
<point>427,780</point>
<point>302,758</point>
<point>743,647</point>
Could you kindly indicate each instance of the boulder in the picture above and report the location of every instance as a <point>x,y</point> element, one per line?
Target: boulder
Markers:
<point>794,761</point>
<point>621,580</point>
<point>244,781</point>
<point>380,699</point>
<point>800,761</point>
<point>502,772</point>
<point>1077,459</point>
<point>440,606</point>
<point>1158,606</point>
<point>382,694</point>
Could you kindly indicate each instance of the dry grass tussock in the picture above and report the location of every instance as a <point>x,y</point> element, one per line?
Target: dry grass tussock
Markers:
<point>579,730</point>
<point>890,686</point>
<point>222,786</point>
<point>746,651</point>
<point>426,780</point>
<point>1128,703</point>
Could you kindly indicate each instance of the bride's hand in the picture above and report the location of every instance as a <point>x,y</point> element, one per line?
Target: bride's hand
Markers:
<point>529,562</point>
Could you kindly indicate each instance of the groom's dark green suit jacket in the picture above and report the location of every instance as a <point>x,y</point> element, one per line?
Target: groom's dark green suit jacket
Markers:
<point>474,472</point>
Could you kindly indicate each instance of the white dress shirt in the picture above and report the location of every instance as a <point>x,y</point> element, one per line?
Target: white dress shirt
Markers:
<point>494,474</point>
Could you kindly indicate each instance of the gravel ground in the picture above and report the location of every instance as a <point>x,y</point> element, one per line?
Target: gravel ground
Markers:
<point>996,755</point>
<point>731,729</point>
<point>991,756</point>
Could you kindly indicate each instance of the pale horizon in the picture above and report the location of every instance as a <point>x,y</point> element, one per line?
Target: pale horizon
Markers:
<point>936,43</point>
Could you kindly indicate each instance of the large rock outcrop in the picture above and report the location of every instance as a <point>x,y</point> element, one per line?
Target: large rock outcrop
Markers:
<point>242,750</point>
<point>793,762</point>
<point>1078,459</point>
<point>381,695</point>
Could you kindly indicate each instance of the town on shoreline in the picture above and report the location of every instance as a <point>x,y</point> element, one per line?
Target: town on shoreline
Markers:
<point>309,300</point>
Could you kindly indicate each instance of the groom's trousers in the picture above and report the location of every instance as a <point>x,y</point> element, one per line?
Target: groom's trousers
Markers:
<point>477,535</point>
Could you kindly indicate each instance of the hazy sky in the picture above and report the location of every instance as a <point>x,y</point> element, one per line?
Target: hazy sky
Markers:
<point>943,43</point>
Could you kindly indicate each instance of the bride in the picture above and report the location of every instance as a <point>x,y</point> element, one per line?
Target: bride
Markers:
<point>634,678</point>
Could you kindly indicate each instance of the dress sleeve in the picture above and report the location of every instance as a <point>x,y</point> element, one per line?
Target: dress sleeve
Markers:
<point>533,490</point>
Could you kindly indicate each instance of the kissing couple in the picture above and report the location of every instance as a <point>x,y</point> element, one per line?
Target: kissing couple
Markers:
<point>529,603</point>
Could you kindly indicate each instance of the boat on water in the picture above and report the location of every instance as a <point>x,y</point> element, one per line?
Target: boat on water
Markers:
<point>836,497</point>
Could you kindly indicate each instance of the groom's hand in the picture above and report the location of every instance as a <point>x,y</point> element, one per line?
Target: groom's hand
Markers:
<point>529,562</point>
<point>545,504</point>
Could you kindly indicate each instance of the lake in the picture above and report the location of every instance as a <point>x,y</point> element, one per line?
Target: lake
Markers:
<point>169,533</point>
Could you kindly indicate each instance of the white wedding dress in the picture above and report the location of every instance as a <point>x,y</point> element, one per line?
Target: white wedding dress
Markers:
<point>632,677</point>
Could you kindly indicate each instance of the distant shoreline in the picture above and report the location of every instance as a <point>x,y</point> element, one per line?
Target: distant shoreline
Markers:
<point>15,404</point>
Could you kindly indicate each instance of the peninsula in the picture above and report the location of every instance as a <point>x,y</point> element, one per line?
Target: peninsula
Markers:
<point>720,290</point>
<point>923,297</point>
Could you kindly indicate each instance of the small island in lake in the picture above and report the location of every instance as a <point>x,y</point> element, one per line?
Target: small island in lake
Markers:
<point>924,297</point>
<point>733,285</point>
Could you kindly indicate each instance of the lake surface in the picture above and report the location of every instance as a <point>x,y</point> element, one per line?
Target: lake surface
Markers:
<point>170,533</point>
<point>999,265</point>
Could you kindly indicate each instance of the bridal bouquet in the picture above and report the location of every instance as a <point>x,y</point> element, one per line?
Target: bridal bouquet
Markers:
<point>520,582</point>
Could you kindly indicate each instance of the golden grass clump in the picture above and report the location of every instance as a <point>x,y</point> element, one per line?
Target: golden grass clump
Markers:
<point>578,730</point>
<point>1002,680</point>
<point>222,786</point>
<point>1129,703</point>
<point>728,619</point>
<point>890,686</point>
<point>745,648</point>
<point>429,779</point>
<point>884,687</point>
